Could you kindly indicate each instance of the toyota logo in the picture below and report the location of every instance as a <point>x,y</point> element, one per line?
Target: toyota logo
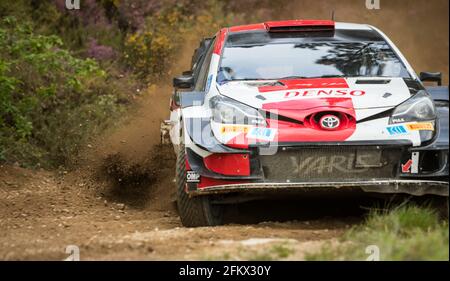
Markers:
<point>329,122</point>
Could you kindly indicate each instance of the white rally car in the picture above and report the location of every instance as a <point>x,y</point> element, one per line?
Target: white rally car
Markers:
<point>304,105</point>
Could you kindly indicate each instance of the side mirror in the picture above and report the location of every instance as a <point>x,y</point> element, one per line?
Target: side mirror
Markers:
<point>431,77</point>
<point>183,82</point>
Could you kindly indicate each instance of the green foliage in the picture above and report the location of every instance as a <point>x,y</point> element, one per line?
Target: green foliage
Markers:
<point>405,233</point>
<point>50,101</point>
<point>152,50</point>
<point>71,27</point>
<point>402,220</point>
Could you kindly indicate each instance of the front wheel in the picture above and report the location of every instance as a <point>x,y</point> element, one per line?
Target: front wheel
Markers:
<point>441,206</point>
<point>194,211</point>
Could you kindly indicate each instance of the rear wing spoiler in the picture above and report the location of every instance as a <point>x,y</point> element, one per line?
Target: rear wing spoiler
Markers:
<point>299,25</point>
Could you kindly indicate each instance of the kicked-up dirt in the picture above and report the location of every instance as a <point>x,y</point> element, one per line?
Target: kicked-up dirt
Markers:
<point>122,212</point>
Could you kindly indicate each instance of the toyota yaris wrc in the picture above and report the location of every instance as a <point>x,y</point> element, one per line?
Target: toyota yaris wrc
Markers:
<point>304,105</point>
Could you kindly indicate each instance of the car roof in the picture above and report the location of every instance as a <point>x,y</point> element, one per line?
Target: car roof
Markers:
<point>263,26</point>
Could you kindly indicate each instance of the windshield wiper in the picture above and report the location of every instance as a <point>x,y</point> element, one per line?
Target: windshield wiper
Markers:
<point>310,77</point>
<point>330,76</point>
<point>290,77</point>
<point>283,78</point>
<point>242,79</point>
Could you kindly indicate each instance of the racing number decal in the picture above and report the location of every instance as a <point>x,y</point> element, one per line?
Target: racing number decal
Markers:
<point>266,134</point>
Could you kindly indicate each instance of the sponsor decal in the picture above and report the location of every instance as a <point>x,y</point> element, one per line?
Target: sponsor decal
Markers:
<point>208,83</point>
<point>192,176</point>
<point>324,93</point>
<point>397,130</point>
<point>406,166</point>
<point>424,126</point>
<point>226,129</point>
<point>261,133</point>
<point>412,165</point>
<point>314,83</point>
<point>351,163</point>
<point>398,120</point>
<point>326,165</point>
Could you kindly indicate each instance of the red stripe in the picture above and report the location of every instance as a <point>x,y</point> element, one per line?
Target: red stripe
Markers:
<point>312,83</point>
<point>220,41</point>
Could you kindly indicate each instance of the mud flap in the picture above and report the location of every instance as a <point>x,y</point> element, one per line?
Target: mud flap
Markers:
<point>165,132</point>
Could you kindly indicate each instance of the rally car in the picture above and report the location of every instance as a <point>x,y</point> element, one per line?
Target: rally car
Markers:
<point>304,105</point>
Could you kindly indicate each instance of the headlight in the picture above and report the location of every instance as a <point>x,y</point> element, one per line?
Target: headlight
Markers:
<point>418,108</point>
<point>229,111</point>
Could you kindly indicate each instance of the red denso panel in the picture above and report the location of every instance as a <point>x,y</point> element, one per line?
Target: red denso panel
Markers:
<point>308,112</point>
<point>299,109</point>
<point>228,164</point>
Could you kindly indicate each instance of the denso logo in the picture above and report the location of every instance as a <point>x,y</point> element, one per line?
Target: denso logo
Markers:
<point>328,93</point>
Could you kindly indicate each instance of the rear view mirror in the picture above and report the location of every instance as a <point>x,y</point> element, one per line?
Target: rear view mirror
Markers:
<point>431,77</point>
<point>183,82</point>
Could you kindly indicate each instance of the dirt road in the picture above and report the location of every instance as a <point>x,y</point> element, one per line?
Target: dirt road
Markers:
<point>41,213</point>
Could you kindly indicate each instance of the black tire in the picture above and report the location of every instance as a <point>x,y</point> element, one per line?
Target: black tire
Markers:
<point>441,205</point>
<point>194,211</point>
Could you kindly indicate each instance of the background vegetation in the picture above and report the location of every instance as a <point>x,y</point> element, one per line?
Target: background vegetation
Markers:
<point>65,77</point>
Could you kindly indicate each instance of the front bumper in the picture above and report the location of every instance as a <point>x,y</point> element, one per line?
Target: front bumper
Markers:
<point>398,167</point>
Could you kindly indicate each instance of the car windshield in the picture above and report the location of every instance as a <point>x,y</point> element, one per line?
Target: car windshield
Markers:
<point>289,60</point>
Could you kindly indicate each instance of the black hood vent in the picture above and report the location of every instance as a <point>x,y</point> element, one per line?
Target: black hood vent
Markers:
<point>373,82</point>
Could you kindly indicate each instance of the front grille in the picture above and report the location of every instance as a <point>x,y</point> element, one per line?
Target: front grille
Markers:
<point>339,163</point>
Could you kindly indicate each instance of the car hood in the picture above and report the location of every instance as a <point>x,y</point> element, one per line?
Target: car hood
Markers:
<point>366,96</point>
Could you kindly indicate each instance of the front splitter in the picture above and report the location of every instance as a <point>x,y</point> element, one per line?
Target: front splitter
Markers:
<point>412,187</point>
